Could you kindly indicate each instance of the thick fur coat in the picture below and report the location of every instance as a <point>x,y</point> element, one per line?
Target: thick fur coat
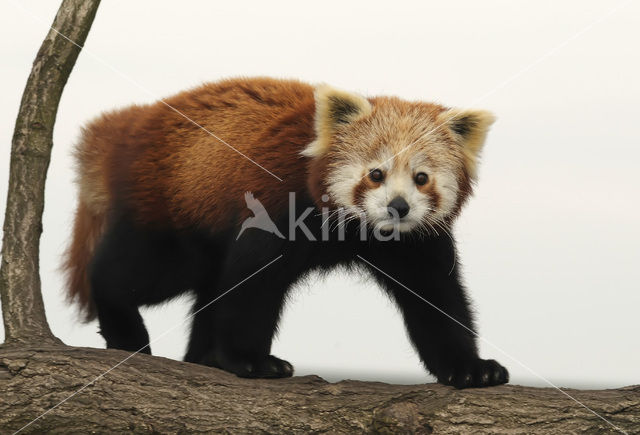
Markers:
<point>162,210</point>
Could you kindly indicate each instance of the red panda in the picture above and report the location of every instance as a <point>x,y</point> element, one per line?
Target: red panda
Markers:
<point>162,210</point>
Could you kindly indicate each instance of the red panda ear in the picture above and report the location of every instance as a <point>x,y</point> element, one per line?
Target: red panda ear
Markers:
<point>333,108</point>
<point>470,128</point>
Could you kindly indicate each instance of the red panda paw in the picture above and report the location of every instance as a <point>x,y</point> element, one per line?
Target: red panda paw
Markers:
<point>475,373</point>
<point>266,367</point>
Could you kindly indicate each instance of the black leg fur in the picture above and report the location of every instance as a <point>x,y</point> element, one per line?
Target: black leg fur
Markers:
<point>245,319</point>
<point>134,266</point>
<point>446,346</point>
<point>201,338</point>
<point>122,326</point>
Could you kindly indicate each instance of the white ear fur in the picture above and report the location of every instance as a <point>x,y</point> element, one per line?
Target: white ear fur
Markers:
<point>334,107</point>
<point>470,128</point>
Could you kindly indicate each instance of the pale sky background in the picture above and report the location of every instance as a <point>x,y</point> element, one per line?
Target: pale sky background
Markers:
<point>550,243</point>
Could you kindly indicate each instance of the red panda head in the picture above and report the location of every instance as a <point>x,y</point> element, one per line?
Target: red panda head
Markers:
<point>404,165</point>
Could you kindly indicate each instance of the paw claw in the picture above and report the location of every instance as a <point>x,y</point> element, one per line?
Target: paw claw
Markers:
<point>262,367</point>
<point>476,373</point>
<point>268,367</point>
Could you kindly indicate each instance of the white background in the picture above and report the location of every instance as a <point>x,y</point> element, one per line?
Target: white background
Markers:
<point>550,243</point>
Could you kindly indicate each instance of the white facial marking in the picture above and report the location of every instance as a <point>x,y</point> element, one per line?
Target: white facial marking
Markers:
<point>447,187</point>
<point>342,181</point>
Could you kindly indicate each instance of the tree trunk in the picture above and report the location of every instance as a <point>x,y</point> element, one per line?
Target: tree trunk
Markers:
<point>148,394</point>
<point>22,307</point>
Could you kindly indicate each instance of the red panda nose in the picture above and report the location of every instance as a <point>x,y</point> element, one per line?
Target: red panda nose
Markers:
<point>398,207</point>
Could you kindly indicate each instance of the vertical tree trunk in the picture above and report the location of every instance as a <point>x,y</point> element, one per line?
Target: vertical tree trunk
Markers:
<point>22,306</point>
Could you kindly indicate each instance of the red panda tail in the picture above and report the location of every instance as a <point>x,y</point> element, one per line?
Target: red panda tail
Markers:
<point>91,155</point>
<point>87,229</point>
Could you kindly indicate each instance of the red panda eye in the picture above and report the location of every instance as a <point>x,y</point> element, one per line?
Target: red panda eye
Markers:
<point>376,175</point>
<point>421,179</point>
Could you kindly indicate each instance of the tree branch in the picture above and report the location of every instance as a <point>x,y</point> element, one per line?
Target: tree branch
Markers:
<point>151,394</point>
<point>22,306</point>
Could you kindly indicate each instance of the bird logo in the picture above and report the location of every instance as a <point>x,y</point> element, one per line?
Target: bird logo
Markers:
<point>260,218</point>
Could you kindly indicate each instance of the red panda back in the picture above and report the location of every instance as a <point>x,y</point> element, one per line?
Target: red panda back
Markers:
<point>158,162</point>
<point>268,121</point>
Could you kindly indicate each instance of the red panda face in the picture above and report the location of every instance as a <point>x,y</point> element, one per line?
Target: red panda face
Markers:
<point>402,165</point>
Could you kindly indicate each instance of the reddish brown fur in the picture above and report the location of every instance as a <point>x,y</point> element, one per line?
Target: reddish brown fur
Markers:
<point>169,172</point>
<point>430,189</point>
<point>86,231</point>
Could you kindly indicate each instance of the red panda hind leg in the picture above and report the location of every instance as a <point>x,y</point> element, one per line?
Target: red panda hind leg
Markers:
<point>135,266</point>
<point>244,317</point>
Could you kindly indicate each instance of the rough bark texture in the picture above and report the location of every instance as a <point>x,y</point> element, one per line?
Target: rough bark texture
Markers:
<point>149,394</point>
<point>22,307</point>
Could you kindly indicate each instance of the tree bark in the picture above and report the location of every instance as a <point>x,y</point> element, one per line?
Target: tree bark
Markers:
<point>148,394</point>
<point>22,306</point>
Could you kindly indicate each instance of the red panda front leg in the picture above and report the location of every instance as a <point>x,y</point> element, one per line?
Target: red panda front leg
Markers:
<point>422,277</point>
